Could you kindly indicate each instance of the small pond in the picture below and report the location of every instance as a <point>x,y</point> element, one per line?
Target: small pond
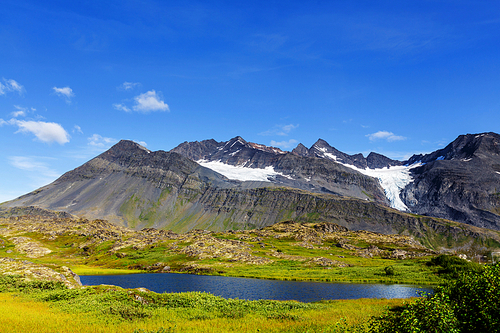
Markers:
<point>255,289</point>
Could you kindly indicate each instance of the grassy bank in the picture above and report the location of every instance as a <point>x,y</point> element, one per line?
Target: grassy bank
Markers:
<point>52,308</point>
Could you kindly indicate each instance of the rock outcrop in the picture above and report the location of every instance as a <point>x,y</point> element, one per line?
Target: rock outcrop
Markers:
<point>460,182</point>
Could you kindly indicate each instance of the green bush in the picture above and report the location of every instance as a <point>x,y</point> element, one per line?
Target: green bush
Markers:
<point>470,303</point>
<point>18,283</point>
<point>452,266</point>
<point>389,270</point>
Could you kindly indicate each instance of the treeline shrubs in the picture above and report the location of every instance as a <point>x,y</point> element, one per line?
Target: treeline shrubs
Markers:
<point>469,303</point>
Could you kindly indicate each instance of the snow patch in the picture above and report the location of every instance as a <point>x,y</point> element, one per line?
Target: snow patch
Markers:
<point>236,152</point>
<point>466,159</point>
<point>239,172</point>
<point>497,172</point>
<point>143,148</point>
<point>332,157</point>
<point>440,158</point>
<point>393,180</point>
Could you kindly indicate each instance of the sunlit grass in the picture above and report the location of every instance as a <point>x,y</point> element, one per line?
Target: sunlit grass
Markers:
<point>90,270</point>
<point>20,314</point>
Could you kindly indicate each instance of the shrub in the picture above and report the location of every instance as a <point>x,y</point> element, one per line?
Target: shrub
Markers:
<point>470,303</point>
<point>389,270</point>
<point>452,266</point>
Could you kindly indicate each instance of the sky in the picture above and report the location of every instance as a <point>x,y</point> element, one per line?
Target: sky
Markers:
<point>393,77</point>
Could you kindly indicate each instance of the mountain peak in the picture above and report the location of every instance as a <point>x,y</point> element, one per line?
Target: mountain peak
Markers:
<point>464,147</point>
<point>300,150</point>
<point>126,146</point>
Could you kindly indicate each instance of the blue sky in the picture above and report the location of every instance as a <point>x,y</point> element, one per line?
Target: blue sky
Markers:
<point>394,77</point>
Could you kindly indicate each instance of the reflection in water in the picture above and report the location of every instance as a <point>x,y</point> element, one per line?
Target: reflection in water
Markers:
<point>254,289</point>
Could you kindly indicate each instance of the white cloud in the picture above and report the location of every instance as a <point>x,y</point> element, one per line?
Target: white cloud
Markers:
<point>36,169</point>
<point>99,141</point>
<point>21,111</point>
<point>129,85</point>
<point>284,144</point>
<point>77,129</point>
<point>385,135</point>
<point>65,93</point>
<point>149,101</point>
<point>31,164</point>
<point>142,143</point>
<point>10,86</point>
<point>44,131</point>
<point>121,107</point>
<point>3,122</point>
<point>282,130</point>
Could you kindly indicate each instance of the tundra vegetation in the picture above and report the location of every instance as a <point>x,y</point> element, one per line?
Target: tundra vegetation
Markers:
<point>39,291</point>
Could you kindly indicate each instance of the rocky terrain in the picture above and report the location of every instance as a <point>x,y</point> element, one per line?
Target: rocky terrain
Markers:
<point>243,185</point>
<point>31,271</point>
<point>460,182</point>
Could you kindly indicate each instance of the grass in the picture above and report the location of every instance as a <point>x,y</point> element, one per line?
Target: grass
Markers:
<point>113,309</point>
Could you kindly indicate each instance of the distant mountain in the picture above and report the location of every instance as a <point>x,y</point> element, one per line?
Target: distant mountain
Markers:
<point>460,182</point>
<point>322,149</point>
<point>240,185</point>
<point>240,160</point>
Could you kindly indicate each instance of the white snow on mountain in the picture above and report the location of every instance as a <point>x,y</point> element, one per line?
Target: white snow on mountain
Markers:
<point>239,172</point>
<point>393,180</point>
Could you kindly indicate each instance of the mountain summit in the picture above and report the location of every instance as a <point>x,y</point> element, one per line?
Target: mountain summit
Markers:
<point>238,184</point>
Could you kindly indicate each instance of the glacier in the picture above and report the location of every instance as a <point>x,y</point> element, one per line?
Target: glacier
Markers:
<point>240,172</point>
<point>392,179</point>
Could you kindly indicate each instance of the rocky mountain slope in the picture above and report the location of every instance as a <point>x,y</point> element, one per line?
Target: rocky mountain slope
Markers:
<point>238,158</point>
<point>460,182</point>
<point>242,185</point>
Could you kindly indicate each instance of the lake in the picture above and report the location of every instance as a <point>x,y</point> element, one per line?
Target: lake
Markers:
<point>254,289</point>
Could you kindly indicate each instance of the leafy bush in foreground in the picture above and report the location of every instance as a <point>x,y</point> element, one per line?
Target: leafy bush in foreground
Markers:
<point>471,303</point>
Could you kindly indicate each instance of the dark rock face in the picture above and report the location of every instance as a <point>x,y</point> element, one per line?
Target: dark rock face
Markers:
<point>321,149</point>
<point>460,182</point>
<point>377,161</point>
<point>306,171</point>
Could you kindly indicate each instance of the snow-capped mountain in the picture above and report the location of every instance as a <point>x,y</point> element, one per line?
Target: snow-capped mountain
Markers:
<point>240,160</point>
<point>459,182</point>
<point>240,184</point>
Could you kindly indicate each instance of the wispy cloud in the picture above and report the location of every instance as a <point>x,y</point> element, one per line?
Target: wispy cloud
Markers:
<point>32,164</point>
<point>11,86</point>
<point>38,170</point>
<point>129,85</point>
<point>280,130</point>
<point>65,93</point>
<point>149,101</point>
<point>121,107</point>
<point>21,111</point>
<point>284,144</point>
<point>99,141</point>
<point>43,131</point>
<point>385,135</point>
<point>77,129</point>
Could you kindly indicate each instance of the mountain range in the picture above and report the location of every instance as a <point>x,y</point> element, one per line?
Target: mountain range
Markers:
<point>241,185</point>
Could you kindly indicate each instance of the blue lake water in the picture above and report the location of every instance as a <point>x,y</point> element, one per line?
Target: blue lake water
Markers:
<point>254,289</point>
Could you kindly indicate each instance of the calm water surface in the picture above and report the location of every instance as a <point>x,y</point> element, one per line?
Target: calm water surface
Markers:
<point>254,289</point>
